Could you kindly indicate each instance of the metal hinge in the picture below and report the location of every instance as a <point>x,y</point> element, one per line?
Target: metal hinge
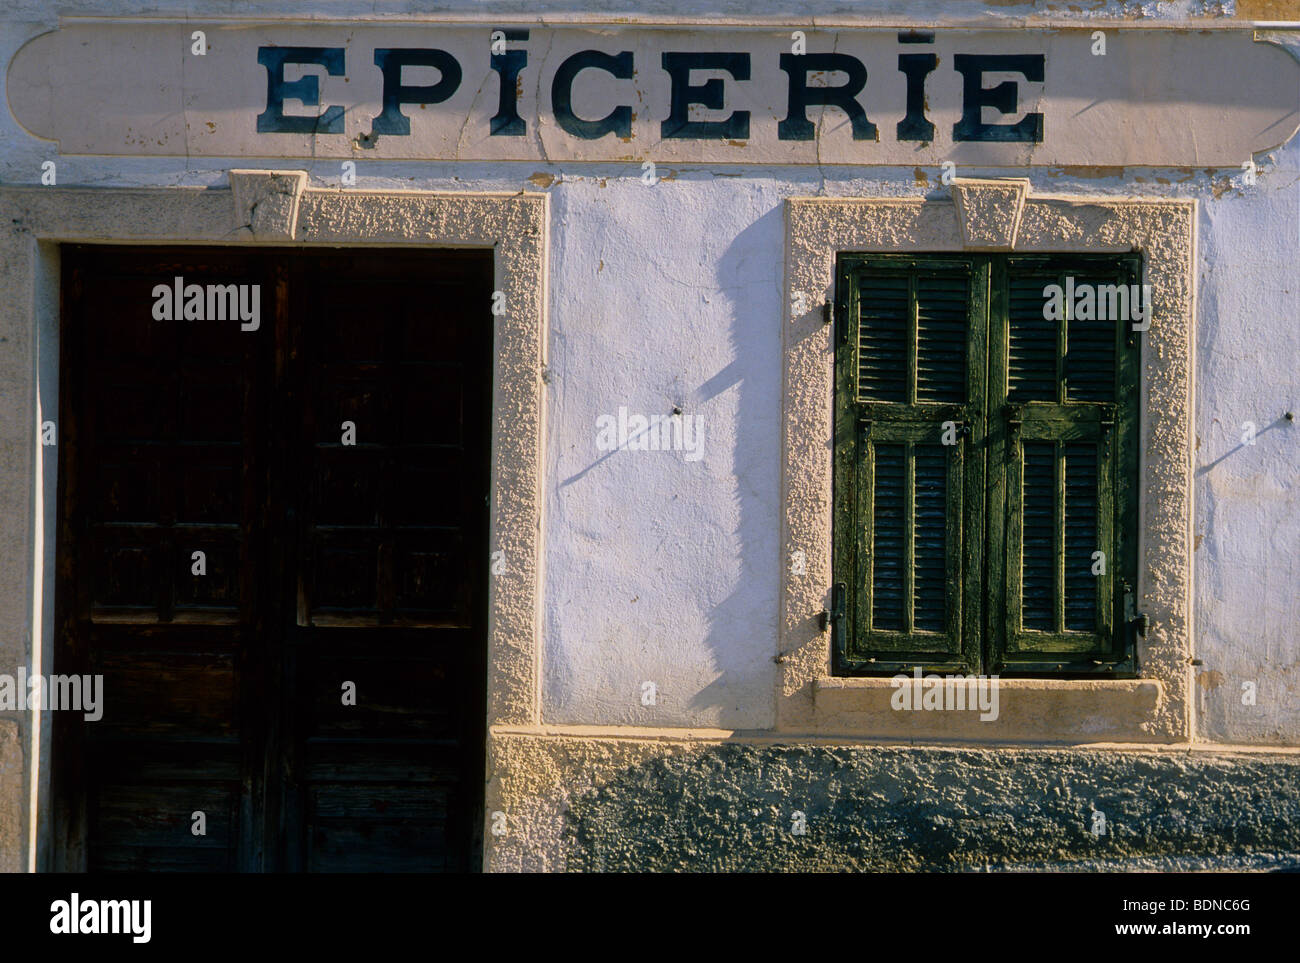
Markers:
<point>833,618</point>
<point>1132,617</point>
<point>840,315</point>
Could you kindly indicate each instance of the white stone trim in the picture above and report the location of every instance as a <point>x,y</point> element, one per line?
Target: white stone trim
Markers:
<point>809,699</point>
<point>265,207</point>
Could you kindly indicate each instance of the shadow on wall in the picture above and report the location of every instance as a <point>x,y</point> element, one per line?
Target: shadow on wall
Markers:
<point>733,807</point>
<point>741,636</point>
<point>756,346</point>
<point>1279,422</point>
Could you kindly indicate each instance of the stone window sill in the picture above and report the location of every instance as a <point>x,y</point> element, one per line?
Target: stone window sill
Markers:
<point>1028,710</point>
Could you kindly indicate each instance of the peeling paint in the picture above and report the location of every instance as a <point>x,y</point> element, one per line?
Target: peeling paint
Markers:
<point>1210,679</point>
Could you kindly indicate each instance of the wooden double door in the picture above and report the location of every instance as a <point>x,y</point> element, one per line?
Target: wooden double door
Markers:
<point>273,549</point>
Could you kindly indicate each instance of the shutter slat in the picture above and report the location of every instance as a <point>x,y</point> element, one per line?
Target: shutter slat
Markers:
<point>941,322</point>
<point>888,513</point>
<point>1080,537</point>
<point>883,324</point>
<point>1038,569</point>
<point>930,547</point>
<point>1031,362</point>
<point>1090,352</point>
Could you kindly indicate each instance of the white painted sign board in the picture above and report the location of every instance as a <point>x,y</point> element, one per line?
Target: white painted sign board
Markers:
<point>1167,98</point>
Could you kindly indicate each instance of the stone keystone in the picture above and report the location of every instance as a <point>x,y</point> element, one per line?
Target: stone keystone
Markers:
<point>266,202</point>
<point>989,211</point>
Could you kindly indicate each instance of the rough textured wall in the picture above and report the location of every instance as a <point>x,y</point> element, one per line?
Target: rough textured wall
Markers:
<point>585,805</point>
<point>13,778</point>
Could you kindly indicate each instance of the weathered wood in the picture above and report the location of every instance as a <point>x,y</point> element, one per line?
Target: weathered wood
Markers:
<point>323,563</point>
<point>1027,381</point>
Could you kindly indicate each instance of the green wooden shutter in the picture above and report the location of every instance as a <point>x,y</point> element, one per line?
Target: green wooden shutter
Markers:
<point>909,358</point>
<point>1061,468</point>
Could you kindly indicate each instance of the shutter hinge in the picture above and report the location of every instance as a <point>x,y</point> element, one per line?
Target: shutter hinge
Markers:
<point>1014,415</point>
<point>828,312</point>
<point>1132,617</point>
<point>834,617</point>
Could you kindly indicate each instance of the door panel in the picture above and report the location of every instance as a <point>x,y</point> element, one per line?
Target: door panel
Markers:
<point>159,446</point>
<point>391,538</point>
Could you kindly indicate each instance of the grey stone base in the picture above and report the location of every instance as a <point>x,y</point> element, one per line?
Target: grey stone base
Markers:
<point>732,807</point>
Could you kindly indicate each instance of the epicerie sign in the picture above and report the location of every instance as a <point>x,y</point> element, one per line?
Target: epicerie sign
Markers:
<point>708,95</point>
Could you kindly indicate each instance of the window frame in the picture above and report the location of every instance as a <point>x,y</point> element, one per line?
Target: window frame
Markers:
<point>981,530</point>
<point>991,214</point>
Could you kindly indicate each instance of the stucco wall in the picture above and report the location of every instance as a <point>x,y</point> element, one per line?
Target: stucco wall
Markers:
<point>847,11</point>
<point>1247,526</point>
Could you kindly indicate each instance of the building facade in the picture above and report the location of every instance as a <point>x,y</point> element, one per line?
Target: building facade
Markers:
<point>854,437</point>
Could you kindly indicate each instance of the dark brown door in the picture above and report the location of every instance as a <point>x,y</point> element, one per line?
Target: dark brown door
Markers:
<point>273,548</point>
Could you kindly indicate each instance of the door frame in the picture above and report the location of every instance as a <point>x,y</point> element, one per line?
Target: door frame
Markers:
<point>261,208</point>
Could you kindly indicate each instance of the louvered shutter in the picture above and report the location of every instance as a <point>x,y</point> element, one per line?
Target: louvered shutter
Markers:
<point>909,359</point>
<point>1062,446</point>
